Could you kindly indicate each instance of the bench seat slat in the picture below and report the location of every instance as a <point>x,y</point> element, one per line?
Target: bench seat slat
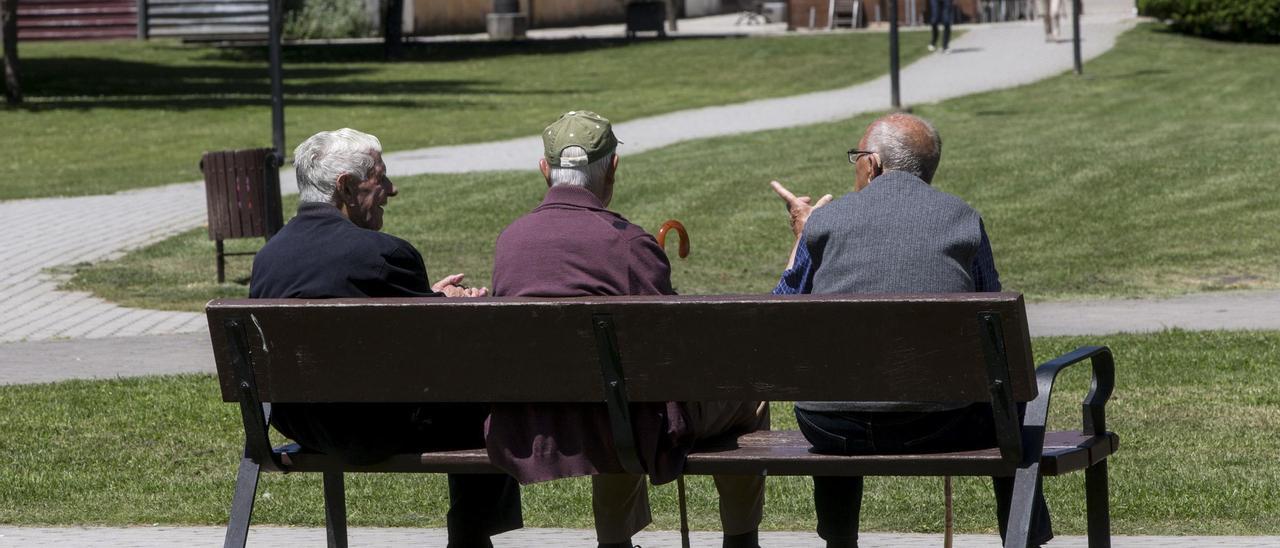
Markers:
<point>778,453</point>
<point>1071,451</point>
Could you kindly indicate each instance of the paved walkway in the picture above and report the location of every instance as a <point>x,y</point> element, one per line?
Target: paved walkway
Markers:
<point>141,537</point>
<point>96,228</point>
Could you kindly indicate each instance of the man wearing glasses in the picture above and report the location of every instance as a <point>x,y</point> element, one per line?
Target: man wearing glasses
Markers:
<point>895,233</point>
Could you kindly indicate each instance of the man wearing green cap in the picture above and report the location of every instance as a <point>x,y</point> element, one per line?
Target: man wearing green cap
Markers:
<point>572,246</point>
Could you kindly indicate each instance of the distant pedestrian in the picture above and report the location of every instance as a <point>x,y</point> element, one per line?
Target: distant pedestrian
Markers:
<point>940,12</point>
<point>1053,14</point>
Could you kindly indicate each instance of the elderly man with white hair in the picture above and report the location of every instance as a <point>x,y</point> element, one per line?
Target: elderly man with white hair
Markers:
<point>334,248</point>
<point>572,245</point>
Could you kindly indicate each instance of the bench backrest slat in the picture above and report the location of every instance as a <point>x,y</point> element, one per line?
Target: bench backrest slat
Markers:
<point>242,193</point>
<point>812,347</point>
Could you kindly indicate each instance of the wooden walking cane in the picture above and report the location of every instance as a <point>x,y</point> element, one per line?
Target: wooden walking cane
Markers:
<point>947,531</point>
<point>683,252</point>
<point>684,236</point>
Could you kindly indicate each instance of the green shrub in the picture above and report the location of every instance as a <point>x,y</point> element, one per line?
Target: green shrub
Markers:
<point>326,19</point>
<point>1246,20</point>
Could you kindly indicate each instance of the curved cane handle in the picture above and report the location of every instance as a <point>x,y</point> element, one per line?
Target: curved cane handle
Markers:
<point>684,236</point>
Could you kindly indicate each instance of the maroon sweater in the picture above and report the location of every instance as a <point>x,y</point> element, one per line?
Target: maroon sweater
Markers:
<point>571,246</point>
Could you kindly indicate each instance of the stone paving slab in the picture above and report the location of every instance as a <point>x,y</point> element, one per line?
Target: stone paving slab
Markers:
<point>56,232</point>
<point>143,537</point>
<point>105,358</point>
<point>1199,312</point>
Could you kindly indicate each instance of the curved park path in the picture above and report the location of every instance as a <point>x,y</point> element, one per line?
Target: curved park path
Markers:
<point>47,334</point>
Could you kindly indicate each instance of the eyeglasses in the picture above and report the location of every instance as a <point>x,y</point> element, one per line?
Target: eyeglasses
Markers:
<point>854,154</point>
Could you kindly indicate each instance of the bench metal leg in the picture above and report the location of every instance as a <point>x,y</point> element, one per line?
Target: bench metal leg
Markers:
<point>221,260</point>
<point>335,510</point>
<point>242,504</point>
<point>1099,508</point>
<point>1024,495</point>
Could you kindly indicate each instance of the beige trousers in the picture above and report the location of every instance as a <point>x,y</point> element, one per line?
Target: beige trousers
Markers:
<point>620,502</point>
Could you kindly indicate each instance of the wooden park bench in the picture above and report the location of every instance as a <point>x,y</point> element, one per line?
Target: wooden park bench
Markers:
<point>615,350</point>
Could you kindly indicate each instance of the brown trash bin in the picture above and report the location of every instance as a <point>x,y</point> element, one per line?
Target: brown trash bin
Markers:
<point>242,191</point>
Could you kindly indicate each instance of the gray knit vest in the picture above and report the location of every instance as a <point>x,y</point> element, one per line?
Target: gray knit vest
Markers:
<point>897,235</point>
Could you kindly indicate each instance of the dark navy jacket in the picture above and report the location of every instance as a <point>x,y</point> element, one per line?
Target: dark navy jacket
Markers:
<point>320,254</point>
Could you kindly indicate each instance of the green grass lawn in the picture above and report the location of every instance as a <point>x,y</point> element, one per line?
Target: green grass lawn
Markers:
<point>1198,415</point>
<point>106,116</point>
<point>1144,178</point>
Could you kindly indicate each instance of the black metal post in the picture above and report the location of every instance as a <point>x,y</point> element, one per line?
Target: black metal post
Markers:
<point>893,53</point>
<point>393,29</point>
<point>335,510</point>
<point>9,38</point>
<point>1097,505</point>
<point>221,259</point>
<point>1075,34</point>
<point>277,79</point>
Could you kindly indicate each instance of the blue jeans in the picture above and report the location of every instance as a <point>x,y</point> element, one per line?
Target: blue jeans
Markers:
<point>940,12</point>
<point>838,499</point>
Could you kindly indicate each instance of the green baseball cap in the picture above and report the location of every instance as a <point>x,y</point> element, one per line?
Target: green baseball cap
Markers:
<point>583,128</point>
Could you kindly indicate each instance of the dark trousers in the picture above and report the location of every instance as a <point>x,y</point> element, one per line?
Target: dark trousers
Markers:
<point>838,500</point>
<point>940,12</point>
<point>480,505</point>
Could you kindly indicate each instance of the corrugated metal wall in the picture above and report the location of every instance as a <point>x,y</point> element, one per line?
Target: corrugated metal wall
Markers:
<point>208,19</point>
<point>76,19</point>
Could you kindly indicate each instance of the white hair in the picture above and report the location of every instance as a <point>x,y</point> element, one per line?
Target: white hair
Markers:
<point>590,176</point>
<point>898,153</point>
<point>324,157</point>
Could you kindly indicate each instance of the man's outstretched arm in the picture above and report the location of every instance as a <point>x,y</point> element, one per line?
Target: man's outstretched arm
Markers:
<point>799,208</point>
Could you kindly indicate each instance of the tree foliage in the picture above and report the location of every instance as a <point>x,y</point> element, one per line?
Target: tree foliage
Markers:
<point>1244,20</point>
<point>326,19</point>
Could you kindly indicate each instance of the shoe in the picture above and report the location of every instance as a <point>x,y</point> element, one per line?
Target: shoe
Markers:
<point>750,539</point>
<point>946,51</point>
<point>932,47</point>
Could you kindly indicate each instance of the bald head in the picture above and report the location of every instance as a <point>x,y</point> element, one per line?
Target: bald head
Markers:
<point>905,143</point>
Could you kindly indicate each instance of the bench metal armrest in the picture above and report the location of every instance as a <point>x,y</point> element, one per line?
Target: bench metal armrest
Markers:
<point>255,414</point>
<point>1100,388</point>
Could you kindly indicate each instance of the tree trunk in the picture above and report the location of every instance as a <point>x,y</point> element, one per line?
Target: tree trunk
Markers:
<point>9,35</point>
